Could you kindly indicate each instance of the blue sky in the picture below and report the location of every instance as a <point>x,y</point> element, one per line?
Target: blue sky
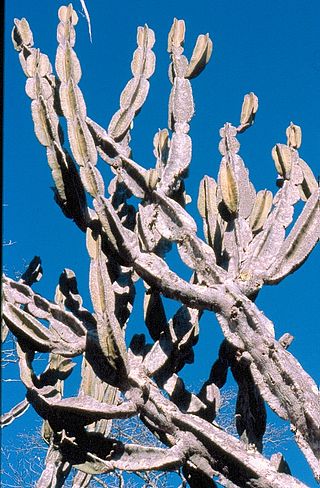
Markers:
<point>269,47</point>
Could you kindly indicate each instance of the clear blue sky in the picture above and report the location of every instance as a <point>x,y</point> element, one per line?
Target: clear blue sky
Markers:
<point>270,47</point>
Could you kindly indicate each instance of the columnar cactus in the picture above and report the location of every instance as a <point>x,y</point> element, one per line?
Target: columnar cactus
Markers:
<point>246,247</point>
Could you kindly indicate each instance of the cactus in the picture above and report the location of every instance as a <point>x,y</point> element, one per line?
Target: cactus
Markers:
<point>246,246</point>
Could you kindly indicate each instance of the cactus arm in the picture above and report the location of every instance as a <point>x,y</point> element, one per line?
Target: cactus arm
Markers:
<point>236,190</point>
<point>41,88</point>
<point>235,197</point>
<point>247,467</point>
<point>72,101</point>
<point>132,457</point>
<point>131,101</point>
<point>56,469</point>
<point>15,412</point>
<point>73,104</point>
<point>93,386</point>
<point>178,162</point>
<point>81,410</point>
<point>19,293</point>
<point>261,210</point>
<point>149,236</point>
<point>64,326</point>
<point>181,334</point>
<point>161,144</point>
<point>157,274</point>
<point>67,296</point>
<point>200,56</point>
<point>208,209</point>
<point>136,90</point>
<point>110,334</point>
<point>181,110</point>
<point>236,239</point>
<point>30,329</point>
<point>178,393</point>
<point>248,111</point>
<point>309,183</point>
<point>299,404</point>
<point>299,243</point>
<point>265,247</point>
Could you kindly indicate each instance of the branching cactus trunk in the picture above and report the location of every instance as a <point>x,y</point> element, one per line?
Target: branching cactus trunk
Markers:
<point>246,247</point>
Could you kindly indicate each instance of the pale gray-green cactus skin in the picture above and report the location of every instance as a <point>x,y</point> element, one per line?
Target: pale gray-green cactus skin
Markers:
<point>246,247</point>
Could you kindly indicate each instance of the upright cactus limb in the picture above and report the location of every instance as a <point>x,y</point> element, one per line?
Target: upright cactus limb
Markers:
<point>299,243</point>
<point>149,236</point>
<point>267,247</point>
<point>67,294</point>
<point>248,111</point>
<point>56,470</point>
<point>208,209</point>
<point>41,88</point>
<point>110,334</point>
<point>309,183</point>
<point>131,101</point>
<point>136,90</point>
<point>181,110</point>
<point>102,392</point>
<point>73,104</point>
<point>81,479</point>
<point>235,197</point>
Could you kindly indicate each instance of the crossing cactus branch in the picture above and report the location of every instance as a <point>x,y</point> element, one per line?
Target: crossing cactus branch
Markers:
<point>247,245</point>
